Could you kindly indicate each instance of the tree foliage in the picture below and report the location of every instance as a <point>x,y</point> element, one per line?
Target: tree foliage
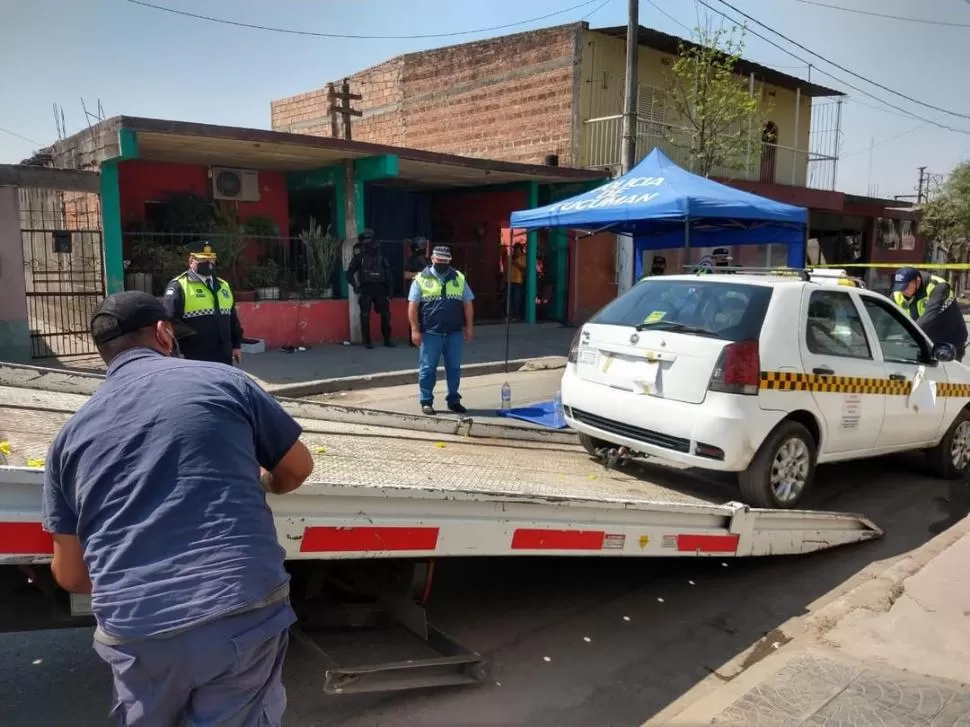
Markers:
<point>712,100</point>
<point>946,217</point>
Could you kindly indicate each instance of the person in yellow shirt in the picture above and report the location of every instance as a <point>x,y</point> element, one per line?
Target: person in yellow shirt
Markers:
<point>516,279</point>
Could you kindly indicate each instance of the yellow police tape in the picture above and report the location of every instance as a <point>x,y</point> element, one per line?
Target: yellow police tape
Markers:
<point>790,381</point>
<point>895,266</point>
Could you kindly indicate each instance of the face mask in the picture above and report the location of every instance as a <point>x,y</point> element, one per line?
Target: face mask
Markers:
<point>204,269</point>
<point>441,268</point>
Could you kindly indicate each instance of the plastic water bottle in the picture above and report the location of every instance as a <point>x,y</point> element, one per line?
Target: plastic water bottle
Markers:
<point>506,396</point>
<point>560,415</point>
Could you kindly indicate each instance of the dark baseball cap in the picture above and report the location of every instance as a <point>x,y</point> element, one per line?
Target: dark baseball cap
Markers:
<point>903,277</point>
<point>129,311</point>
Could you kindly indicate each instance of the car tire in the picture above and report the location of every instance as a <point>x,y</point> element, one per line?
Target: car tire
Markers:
<point>790,447</point>
<point>592,444</point>
<point>943,459</point>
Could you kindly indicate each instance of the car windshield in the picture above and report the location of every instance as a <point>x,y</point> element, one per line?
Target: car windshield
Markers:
<point>732,311</point>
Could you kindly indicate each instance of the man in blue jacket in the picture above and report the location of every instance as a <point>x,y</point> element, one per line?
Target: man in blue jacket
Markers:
<point>439,310</point>
<point>155,494</point>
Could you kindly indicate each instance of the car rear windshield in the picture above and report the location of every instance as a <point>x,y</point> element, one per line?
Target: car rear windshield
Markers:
<point>732,311</point>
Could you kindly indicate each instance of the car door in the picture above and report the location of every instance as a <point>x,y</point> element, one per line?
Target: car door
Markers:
<point>838,359</point>
<point>904,350</point>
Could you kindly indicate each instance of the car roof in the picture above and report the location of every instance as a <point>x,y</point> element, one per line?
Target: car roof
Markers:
<point>764,280</point>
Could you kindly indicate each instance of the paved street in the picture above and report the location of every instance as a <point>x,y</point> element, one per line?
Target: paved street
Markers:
<point>655,628</point>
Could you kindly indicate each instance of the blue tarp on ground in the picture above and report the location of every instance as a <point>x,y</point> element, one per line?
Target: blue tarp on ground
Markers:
<point>660,204</point>
<point>543,413</point>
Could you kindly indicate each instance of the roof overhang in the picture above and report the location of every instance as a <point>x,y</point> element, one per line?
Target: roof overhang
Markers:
<point>650,38</point>
<point>192,143</point>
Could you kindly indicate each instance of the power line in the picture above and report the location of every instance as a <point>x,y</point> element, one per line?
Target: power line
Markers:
<point>20,136</point>
<point>843,68</point>
<point>357,36</point>
<point>924,21</point>
<point>835,78</point>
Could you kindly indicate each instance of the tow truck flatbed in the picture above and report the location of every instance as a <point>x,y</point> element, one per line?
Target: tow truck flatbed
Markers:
<point>385,496</point>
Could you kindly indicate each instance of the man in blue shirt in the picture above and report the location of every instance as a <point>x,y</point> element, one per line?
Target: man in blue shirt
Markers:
<point>439,308</point>
<point>155,493</point>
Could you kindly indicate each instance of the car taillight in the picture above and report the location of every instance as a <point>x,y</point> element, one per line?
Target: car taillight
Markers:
<point>573,355</point>
<point>738,369</point>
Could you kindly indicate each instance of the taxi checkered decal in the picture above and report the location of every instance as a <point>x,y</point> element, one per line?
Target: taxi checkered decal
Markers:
<point>791,381</point>
<point>961,390</point>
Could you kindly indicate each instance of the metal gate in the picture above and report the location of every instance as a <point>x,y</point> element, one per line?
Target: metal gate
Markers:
<point>63,266</point>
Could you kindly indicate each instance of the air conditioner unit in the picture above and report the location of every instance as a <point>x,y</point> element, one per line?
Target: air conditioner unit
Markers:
<point>238,185</point>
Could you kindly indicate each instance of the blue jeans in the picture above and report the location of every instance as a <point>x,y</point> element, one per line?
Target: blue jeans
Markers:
<point>434,346</point>
<point>227,673</point>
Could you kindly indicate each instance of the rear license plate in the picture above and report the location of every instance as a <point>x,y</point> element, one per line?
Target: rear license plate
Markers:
<point>639,374</point>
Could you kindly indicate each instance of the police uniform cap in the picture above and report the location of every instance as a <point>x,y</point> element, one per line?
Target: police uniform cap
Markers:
<point>441,253</point>
<point>366,236</point>
<point>201,248</point>
<point>903,277</point>
<point>130,311</point>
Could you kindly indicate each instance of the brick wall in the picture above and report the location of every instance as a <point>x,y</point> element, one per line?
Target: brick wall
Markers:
<point>507,98</point>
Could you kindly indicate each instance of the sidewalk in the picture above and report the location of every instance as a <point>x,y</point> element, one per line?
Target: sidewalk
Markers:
<point>893,651</point>
<point>274,369</point>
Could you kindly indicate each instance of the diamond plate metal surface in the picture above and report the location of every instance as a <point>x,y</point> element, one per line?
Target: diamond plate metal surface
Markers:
<point>371,456</point>
<point>818,691</point>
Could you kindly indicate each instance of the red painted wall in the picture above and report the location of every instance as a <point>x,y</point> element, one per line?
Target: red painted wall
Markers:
<point>460,214</point>
<point>312,323</point>
<point>147,181</point>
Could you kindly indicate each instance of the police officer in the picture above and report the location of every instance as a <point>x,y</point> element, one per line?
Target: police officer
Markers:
<point>439,308</point>
<point>369,275</point>
<point>929,300</point>
<point>417,261</point>
<point>205,303</point>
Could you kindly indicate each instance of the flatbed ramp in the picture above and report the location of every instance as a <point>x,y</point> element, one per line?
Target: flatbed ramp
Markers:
<point>384,492</point>
<point>386,501</point>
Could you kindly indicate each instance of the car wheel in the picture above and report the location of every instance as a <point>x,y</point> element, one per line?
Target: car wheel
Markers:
<point>591,444</point>
<point>950,459</point>
<point>782,470</point>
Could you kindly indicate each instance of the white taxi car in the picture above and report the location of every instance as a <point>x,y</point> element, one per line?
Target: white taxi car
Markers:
<point>766,376</point>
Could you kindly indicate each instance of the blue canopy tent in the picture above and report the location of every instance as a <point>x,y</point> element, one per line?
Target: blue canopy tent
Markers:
<point>663,206</point>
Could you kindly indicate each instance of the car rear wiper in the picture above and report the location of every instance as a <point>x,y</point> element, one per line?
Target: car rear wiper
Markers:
<point>677,328</point>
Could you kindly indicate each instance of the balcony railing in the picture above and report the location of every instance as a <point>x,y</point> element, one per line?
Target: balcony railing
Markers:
<point>773,163</point>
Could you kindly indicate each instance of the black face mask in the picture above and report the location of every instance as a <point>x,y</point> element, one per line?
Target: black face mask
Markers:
<point>204,269</point>
<point>441,268</point>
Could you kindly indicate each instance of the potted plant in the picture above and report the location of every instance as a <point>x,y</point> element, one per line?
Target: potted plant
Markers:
<point>264,279</point>
<point>323,252</point>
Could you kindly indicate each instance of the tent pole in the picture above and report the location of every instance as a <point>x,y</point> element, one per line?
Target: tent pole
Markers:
<point>508,299</point>
<point>687,240</point>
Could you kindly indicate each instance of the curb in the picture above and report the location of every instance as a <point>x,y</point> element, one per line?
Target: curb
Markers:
<point>408,376</point>
<point>875,583</point>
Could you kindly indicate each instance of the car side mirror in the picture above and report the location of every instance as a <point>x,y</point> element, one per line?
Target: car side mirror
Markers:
<point>944,352</point>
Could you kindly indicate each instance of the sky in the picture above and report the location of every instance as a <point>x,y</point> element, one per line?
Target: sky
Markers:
<point>141,61</point>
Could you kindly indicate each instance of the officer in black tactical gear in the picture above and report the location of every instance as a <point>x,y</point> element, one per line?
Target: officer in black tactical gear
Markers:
<point>416,262</point>
<point>369,275</point>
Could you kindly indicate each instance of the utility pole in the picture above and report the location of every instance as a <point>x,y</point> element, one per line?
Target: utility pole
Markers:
<point>344,96</point>
<point>920,198</point>
<point>624,243</point>
<point>630,90</point>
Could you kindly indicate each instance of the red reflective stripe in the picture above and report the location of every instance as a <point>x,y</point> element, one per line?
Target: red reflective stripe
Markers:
<point>25,539</point>
<point>707,543</point>
<point>367,539</point>
<point>540,539</point>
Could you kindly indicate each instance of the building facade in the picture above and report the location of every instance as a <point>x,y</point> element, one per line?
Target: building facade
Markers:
<point>558,93</point>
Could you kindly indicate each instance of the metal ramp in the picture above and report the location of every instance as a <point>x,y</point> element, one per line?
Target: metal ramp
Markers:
<point>371,507</point>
